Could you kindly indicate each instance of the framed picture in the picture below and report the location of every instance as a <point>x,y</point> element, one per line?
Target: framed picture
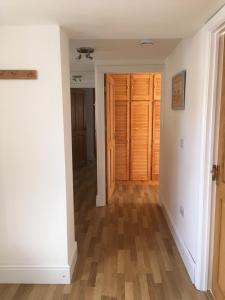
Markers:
<point>178,91</point>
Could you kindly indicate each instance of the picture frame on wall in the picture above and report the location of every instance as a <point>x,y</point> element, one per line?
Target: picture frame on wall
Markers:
<point>178,90</point>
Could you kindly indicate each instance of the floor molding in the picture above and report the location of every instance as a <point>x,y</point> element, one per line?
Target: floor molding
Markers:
<point>100,200</point>
<point>73,260</point>
<point>210,295</point>
<point>186,257</point>
<point>39,274</point>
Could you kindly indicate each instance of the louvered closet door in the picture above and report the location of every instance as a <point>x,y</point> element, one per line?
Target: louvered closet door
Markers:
<point>156,140</point>
<point>142,87</point>
<point>110,135</point>
<point>156,128</point>
<point>157,86</point>
<point>122,87</point>
<point>141,119</point>
<point>141,126</point>
<point>122,123</point>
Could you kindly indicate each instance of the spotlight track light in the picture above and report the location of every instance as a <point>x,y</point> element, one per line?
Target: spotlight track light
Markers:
<point>85,51</point>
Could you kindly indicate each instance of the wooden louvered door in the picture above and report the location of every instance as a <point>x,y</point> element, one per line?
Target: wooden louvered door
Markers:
<point>140,162</point>
<point>137,126</point>
<point>156,127</point>
<point>78,128</point>
<point>142,87</point>
<point>110,135</point>
<point>122,124</point>
<point>141,126</point>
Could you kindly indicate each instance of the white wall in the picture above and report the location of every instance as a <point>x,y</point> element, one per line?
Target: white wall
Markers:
<point>180,167</point>
<point>36,232</point>
<point>89,118</point>
<point>65,74</point>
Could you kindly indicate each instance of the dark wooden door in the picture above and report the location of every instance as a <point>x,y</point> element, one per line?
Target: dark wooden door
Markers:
<point>78,128</point>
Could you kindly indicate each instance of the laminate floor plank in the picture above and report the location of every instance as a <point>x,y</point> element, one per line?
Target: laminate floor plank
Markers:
<point>125,250</point>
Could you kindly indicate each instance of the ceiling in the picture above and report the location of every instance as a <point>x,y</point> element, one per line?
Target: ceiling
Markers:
<point>117,19</point>
<point>114,28</point>
<point>120,50</point>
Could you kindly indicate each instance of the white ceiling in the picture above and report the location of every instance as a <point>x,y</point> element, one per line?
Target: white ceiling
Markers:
<point>107,19</point>
<point>120,50</point>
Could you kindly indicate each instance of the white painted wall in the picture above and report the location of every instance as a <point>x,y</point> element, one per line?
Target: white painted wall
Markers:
<point>36,197</point>
<point>89,120</point>
<point>180,167</point>
<point>65,77</point>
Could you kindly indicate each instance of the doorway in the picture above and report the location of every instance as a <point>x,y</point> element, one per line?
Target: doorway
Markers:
<point>132,109</point>
<point>83,126</point>
<point>83,144</point>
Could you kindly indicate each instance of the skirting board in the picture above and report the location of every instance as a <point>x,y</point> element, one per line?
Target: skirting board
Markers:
<point>73,260</point>
<point>39,274</point>
<point>186,257</point>
<point>100,201</point>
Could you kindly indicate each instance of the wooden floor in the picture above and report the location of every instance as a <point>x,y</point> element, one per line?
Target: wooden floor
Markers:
<point>125,250</point>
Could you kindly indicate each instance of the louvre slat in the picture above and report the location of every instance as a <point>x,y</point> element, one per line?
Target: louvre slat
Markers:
<point>141,112</point>
<point>142,87</point>
<point>122,121</point>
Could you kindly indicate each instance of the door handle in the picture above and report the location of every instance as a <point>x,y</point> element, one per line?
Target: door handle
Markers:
<point>215,172</point>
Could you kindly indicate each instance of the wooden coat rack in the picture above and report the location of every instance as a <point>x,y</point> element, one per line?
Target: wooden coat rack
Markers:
<point>18,74</point>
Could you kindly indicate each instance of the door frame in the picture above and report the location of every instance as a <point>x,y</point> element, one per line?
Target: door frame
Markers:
<point>100,70</point>
<point>210,35</point>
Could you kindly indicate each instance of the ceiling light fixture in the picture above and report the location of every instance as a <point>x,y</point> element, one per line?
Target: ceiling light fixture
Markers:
<point>77,78</point>
<point>85,51</point>
<point>146,42</point>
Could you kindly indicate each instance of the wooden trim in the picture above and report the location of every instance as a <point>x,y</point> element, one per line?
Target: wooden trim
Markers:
<point>150,136</point>
<point>210,295</point>
<point>218,239</point>
<point>129,131</point>
<point>18,74</point>
<point>128,137</point>
<point>138,182</point>
<point>110,136</point>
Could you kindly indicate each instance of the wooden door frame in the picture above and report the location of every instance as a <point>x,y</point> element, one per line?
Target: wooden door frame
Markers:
<point>109,80</point>
<point>100,71</point>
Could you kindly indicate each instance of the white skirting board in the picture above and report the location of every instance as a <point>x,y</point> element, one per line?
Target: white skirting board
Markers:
<point>186,257</point>
<point>100,200</point>
<point>39,274</point>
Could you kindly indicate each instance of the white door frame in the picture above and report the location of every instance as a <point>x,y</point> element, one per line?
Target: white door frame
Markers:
<point>211,33</point>
<point>100,71</point>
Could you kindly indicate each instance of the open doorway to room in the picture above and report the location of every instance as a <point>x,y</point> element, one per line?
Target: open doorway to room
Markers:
<point>132,110</point>
<point>83,148</point>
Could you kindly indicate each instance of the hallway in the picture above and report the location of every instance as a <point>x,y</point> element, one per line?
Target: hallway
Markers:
<point>125,249</point>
